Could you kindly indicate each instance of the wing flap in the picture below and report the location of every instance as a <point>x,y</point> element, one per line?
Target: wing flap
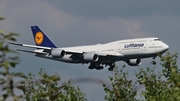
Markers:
<point>110,53</point>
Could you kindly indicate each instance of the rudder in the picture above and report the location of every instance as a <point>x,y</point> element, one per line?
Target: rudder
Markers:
<point>40,38</point>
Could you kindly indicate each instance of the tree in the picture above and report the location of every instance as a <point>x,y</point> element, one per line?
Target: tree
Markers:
<point>172,74</point>
<point>49,88</point>
<point>122,88</point>
<point>164,85</point>
<point>8,61</point>
<point>156,87</point>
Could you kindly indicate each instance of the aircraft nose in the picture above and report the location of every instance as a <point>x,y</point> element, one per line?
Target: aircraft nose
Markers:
<point>166,47</point>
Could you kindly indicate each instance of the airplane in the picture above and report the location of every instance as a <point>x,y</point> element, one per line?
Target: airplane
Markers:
<point>130,51</point>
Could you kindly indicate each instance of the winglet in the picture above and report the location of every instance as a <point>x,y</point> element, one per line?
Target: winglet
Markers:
<point>40,38</point>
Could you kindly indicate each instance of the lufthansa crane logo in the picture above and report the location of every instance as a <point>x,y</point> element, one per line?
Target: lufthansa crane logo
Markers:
<point>39,37</point>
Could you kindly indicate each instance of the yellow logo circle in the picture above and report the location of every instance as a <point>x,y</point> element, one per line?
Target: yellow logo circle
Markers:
<point>39,37</point>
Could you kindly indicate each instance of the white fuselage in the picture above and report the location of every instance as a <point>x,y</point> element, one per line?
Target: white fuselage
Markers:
<point>128,49</point>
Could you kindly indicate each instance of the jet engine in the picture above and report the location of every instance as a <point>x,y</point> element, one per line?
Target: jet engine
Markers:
<point>91,57</point>
<point>58,53</point>
<point>134,62</point>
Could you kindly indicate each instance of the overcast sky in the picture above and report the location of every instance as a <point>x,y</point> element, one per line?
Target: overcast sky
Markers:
<point>82,22</point>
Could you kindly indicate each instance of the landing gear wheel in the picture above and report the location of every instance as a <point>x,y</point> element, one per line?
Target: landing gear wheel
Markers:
<point>96,66</point>
<point>110,69</point>
<point>99,68</point>
<point>91,67</point>
<point>153,62</point>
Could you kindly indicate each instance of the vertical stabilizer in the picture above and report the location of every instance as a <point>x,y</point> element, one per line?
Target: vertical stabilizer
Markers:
<point>40,38</point>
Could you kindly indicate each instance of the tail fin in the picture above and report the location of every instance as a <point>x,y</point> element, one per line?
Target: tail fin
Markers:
<point>40,38</point>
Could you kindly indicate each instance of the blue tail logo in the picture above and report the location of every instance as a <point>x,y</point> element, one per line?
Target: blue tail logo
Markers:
<point>40,38</point>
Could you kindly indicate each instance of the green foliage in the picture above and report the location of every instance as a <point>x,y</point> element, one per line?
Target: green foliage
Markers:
<point>161,86</point>
<point>165,84</point>
<point>8,61</point>
<point>155,87</point>
<point>49,88</point>
<point>172,74</point>
<point>122,88</point>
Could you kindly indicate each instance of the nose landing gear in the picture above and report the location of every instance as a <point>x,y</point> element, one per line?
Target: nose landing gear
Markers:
<point>95,66</point>
<point>153,62</point>
<point>111,68</point>
<point>98,66</point>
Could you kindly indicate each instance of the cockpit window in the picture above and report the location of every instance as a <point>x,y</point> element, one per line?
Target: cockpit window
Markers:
<point>156,39</point>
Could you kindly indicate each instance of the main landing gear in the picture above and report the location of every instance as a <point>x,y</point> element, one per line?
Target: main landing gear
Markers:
<point>97,66</point>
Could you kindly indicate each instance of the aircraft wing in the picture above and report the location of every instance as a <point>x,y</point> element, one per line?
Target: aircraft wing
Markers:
<point>41,47</point>
<point>77,54</point>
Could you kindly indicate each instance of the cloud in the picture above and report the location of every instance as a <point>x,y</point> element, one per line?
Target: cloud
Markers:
<point>60,25</point>
<point>104,9</point>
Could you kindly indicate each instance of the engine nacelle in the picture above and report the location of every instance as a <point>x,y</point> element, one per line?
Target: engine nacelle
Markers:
<point>57,53</point>
<point>91,57</point>
<point>134,62</point>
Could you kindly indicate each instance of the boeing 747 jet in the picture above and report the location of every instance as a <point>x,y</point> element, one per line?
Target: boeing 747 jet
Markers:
<point>130,50</point>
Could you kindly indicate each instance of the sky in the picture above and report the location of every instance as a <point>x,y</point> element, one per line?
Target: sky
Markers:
<point>80,22</point>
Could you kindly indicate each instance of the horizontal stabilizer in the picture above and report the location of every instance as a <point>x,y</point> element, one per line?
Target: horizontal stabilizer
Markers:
<point>13,43</point>
<point>30,46</point>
